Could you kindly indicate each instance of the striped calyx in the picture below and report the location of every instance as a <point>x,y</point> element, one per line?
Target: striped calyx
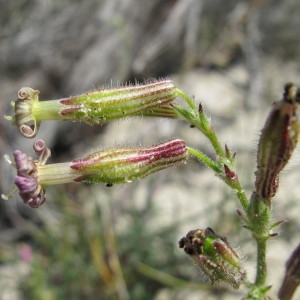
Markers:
<point>120,165</point>
<point>277,142</point>
<point>100,106</point>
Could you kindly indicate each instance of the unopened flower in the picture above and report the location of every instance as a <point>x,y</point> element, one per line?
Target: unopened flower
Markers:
<point>291,279</point>
<point>218,261</point>
<point>95,107</point>
<point>110,166</point>
<point>277,142</point>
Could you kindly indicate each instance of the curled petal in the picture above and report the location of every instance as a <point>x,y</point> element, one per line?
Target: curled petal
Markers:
<point>27,179</point>
<point>25,164</point>
<point>30,190</point>
<point>24,115</point>
<point>27,93</point>
<point>26,185</point>
<point>42,151</point>
<point>29,131</point>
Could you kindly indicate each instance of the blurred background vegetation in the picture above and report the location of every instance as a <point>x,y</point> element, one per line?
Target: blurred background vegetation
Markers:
<point>93,242</point>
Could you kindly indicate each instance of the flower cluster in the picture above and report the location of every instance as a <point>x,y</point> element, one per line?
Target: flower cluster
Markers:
<point>111,166</point>
<point>211,252</point>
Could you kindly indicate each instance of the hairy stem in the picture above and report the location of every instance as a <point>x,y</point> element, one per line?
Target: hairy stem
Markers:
<point>261,269</point>
<point>187,99</point>
<point>203,158</point>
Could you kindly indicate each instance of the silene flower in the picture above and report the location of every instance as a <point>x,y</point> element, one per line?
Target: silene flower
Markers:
<point>95,107</point>
<point>110,166</point>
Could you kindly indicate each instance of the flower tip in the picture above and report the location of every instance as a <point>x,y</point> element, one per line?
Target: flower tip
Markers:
<point>7,158</point>
<point>27,93</point>
<point>27,180</point>
<point>8,118</point>
<point>25,117</point>
<point>200,108</point>
<point>5,197</point>
<point>291,93</point>
<point>13,190</point>
<point>229,174</point>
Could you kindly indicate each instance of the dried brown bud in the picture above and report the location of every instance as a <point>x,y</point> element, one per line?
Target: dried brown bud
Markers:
<point>214,256</point>
<point>278,140</point>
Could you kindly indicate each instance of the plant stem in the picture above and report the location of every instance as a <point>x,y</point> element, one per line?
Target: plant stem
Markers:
<point>215,143</point>
<point>202,122</point>
<point>241,196</point>
<point>187,99</point>
<point>261,269</point>
<point>203,158</point>
<point>259,216</point>
<point>211,164</point>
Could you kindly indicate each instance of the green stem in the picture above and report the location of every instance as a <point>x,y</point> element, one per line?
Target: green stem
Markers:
<point>241,196</point>
<point>204,158</point>
<point>187,99</point>
<point>200,121</point>
<point>211,164</point>
<point>211,135</point>
<point>261,269</point>
<point>259,216</point>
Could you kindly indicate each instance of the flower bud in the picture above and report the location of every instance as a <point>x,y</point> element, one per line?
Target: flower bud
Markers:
<point>277,142</point>
<point>95,107</point>
<point>128,164</point>
<point>215,257</point>
<point>110,166</point>
<point>292,276</point>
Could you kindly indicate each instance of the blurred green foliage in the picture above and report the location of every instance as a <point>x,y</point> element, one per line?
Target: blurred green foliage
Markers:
<point>78,255</point>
